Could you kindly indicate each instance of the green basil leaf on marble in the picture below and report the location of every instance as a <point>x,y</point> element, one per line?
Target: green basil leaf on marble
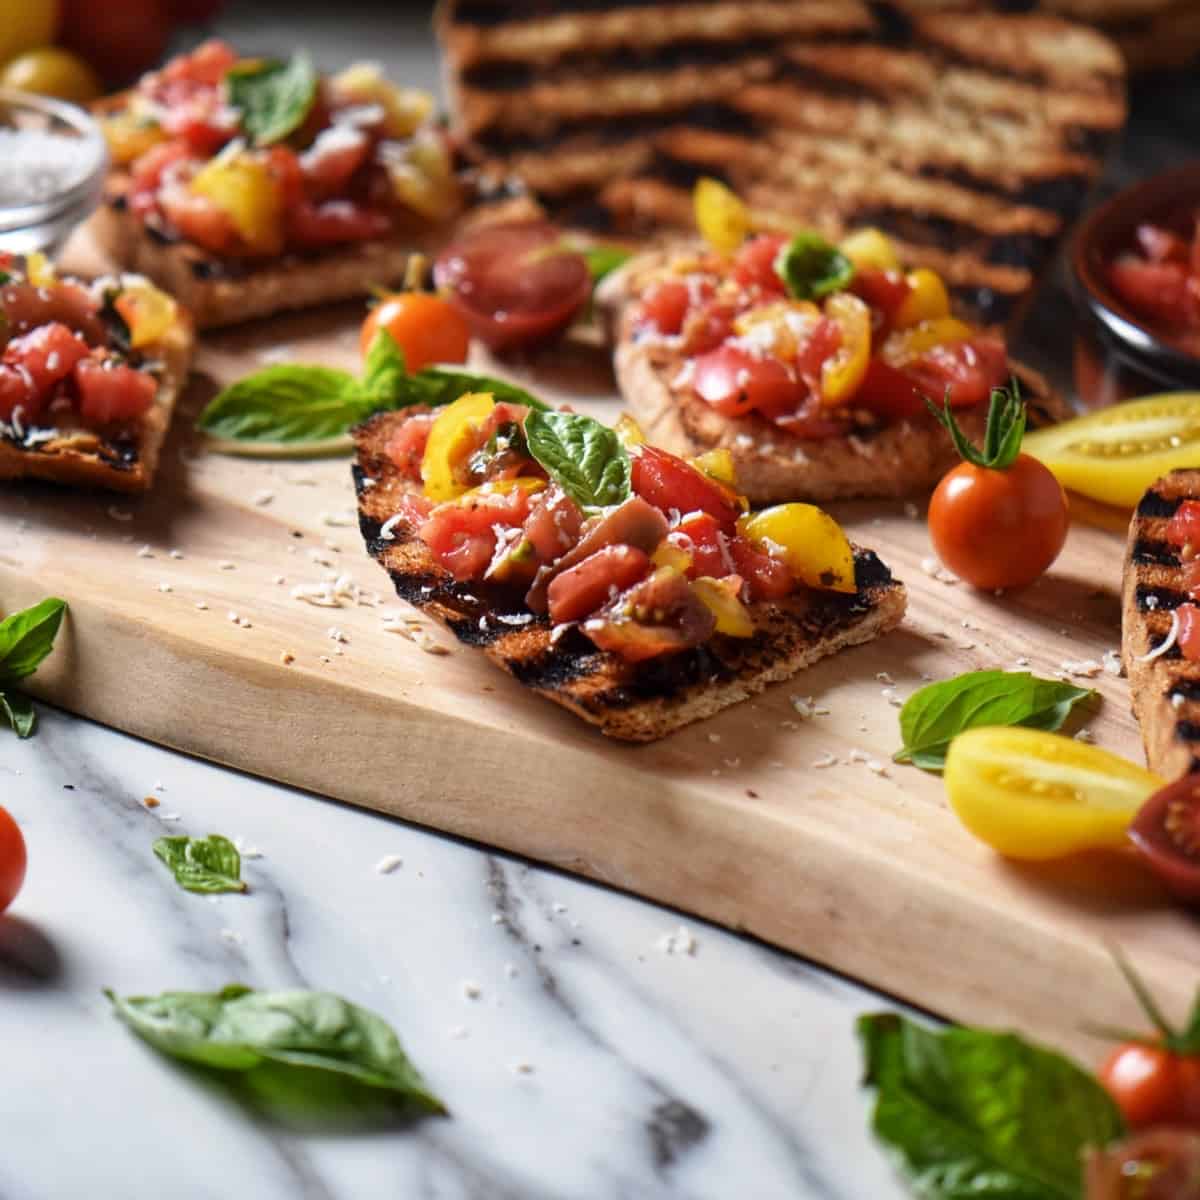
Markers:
<point>208,864</point>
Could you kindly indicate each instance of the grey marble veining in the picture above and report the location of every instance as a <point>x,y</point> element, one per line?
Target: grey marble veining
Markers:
<point>591,1063</point>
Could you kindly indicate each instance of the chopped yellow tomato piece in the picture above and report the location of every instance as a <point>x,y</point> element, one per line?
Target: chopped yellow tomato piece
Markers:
<point>667,554</point>
<point>808,540</point>
<point>870,249</point>
<point>243,188</point>
<point>927,300</point>
<point>1116,454</point>
<point>628,431</point>
<point>901,347</point>
<point>721,217</point>
<point>130,135</point>
<point>451,437</point>
<point>148,311</point>
<point>720,597</point>
<point>423,179</point>
<point>1036,795</point>
<point>39,270</point>
<point>779,327</point>
<point>405,109</point>
<point>842,374</point>
<point>717,465</point>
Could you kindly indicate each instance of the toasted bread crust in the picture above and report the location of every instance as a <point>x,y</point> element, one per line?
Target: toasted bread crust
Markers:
<point>81,458</point>
<point>1152,589</point>
<point>631,702</point>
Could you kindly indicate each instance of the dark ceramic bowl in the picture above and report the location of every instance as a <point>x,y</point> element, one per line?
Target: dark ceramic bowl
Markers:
<point>1117,354</point>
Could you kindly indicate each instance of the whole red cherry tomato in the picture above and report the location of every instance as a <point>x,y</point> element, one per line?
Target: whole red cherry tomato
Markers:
<point>12,859</point>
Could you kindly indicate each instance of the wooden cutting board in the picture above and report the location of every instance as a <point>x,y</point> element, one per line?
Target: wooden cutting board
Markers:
<point>184,628</point>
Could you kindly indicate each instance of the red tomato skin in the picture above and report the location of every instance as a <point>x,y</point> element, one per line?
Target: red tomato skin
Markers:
<point>1152,1086</point>
<point>406,447</point>
<point>664,307</point>
<point>17,391</point>
<point>462,536</point>
<point>1189,631</point>
<point>822,344</point>
<point>1156,291</point>
<point>1184,527</point>
<point>708,325</point>
<point>1191,578</point>
<point>766,577</point>
<point>754,263</point>
<point>582,589</point>
<point>48,354</point>
<point>889,393</point>
<point>700,535</point>
<point>1163,830</point>
<point>112,392</point>
<point>999,529</point>
<point>735,382</point>
<point>970,370</point>
<point>332,222</point>
<point>667,482</point>
<point>327,168</point>
<point>553,524</point>
<point>884,291</point>
<point>13,859</point>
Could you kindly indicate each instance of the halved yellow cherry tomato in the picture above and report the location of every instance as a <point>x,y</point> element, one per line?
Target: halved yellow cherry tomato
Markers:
<point>842,374</point>
<point>720,597</point>
<point>147,311</point>
<point>808,540</point>
<point>450,436</point>
<point>1116,454</point>
<point>405,109</point>
<point>717,465</point>
<point>1035,795</point>
<point>780,326</point>
<point>901,347</point>
<point>870,249</point>
<point>529,484</point>
<point>667,554</point>
<point>628,431</point>
<point>721,217</point>
<point>927,299</point>
<point>245,189</point>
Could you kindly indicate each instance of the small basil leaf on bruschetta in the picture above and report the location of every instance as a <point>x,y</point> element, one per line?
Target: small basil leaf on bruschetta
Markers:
<point>811,267</point>
<point>273,97</point>
<point>933,717</point>
<point>209,864</point>
<point>584,457</point>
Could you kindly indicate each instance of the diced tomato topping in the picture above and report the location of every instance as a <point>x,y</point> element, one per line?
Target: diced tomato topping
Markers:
<point>312,226</point>
<point>660,615</point>
<point>199,220</point>
<point>736,382</point>
<point>706,327</point>
<point>47,354</point>
<point>284,167</point>
<point>146,174</point>
<point>461,535</point>
<point>112,391</point>
<point>1184,527</point>
<point>969,369</point>
<point>1189,631</point>
<point>207,64</point>
<point>669,483</point>
<point>332,159</point>
<point>754,264</point>
<point>1191,578</point>
<point>415,508</point>
<point>580,591</point>
<point>888,393</point>
<point>1157,290</point>
<point>553,524</point>
<point>203,122</point>
<point>884,291</point>
<point>664,306</point>
<point>767,578</point>
<point>699,533</point>
<point>822,344</point>
<point>406,447</point>
<point>814,420</point>
<point>1161,245</point>
<point>17,392</point>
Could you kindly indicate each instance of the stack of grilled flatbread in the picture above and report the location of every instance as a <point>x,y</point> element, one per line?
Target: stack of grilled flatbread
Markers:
<point>971,137</point>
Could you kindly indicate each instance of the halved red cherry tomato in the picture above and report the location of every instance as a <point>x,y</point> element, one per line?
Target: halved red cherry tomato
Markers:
<point>12,859</point>
<point>665,305</point>
<point>754,264</point>
<point>1166,832</point>
<point>669,483</point>
<point>1184,527</point>
<point>112,391</point>
<point>766,577</point>
<point>516,284</point>
<point>576,593</point>
<point>1153,1086</point>
<point>885,292</point>
<point>1160,1164</point>
<point>970,369</point>
<point>703,532</point>
<point>736,382</point>
<point>427,329</point>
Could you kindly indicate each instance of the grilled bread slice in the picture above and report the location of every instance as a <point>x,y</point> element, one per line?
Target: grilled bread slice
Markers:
<point>971,137</point>
<point>637,702</point>
<point>901,458</point>
<point>1166,689</point>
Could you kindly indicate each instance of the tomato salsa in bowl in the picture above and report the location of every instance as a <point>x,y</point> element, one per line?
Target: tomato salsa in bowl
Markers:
<point>1136,267</point>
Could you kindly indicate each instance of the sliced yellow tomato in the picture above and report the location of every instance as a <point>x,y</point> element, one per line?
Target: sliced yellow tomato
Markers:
<point>1116,454</point>
<point>628,431</point>
<point>667,554</point>
<point>779,327</point>
<point>717,465</point>
<point>842,374</point>
<point>808,540</point>
<point>901,347</point>
<point>148,311</point>
<point>245,189</point>
<point>1035,795</point>
<point>720,597</point>
<point>723,220</point>
<point>129,135</point>
<point>405,109</point>
<point>927,300</point>
<point>870,249</point>
<point>423,179</point>
<point>450,436</point>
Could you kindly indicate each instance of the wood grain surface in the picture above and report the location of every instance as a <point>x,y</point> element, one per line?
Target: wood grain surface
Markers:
<point>859,865</point>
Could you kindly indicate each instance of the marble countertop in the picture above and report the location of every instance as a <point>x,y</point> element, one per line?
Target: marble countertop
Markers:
<point>582,1050</point>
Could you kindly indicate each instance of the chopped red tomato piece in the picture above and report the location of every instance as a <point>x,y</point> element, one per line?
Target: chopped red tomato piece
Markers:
<point>822,344</point>
<point>660,615</point>
<point>1191,579</point>
<point>888,393</point>
<point>754,264</point>
<point>284,166</point>
<point>669,483</point>
<point>199,220</point>
<point>580,591</point>
<point>664,306</point>
<point>203,121</point>
<point>553,524</point>
<point>331,222</point>
<point>885,292</point>
<point>111,391</point>
<point>700,533</point>
<point>461,535</point>
<point>766,577</point>
<point>147,171</point>
<point>208,63</point>
<point>736,382</point>
<point>1157,290</point>
<point>47,354</point>
<point>708,326</point>
<point>1184,527</point>
<point>406,447</point>
<point>1189,631</point>
<point>332,159</point>
<point>24,307</point>
<point>415,508</point>
<point>970,370</point>
<point>17,392</point>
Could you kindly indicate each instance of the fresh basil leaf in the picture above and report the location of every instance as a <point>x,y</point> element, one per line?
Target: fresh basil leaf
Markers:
<point>384,371</point>
<point>236,1029</point>
<point>287,403</point>
<point>584,457</point>
<point>26,638</point>
<point>975,1115</point>
<point>436,386</point>
<point>210,864</point>
<point>273,98</point>
<point>933,717</point>
<point>17,710</point>
<point>604,260</point>
<point>811,267</point>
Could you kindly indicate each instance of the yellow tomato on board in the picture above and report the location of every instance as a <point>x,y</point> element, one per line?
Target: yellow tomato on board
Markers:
<point>1115,454</point>
<point>808,540</point>
<point>51,71</point>
<point>1035,795</point>
<point>26,25</point>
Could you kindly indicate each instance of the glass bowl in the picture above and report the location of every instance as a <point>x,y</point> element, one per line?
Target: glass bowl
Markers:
<point>54,160</point>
